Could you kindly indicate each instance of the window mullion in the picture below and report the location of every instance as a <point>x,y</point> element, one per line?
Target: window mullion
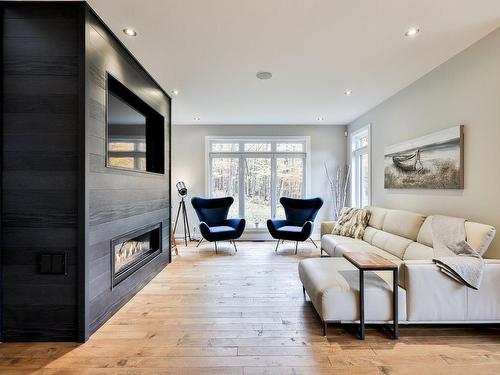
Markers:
<point>274,198</point>
<point>241,186</point>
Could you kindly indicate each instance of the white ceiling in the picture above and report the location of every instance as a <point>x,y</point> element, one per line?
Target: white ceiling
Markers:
<point>210,50</point>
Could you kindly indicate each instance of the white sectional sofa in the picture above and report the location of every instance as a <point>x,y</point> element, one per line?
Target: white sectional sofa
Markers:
<point>425,294</point>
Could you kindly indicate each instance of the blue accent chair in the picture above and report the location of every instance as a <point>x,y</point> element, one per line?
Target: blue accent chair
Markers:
<point>214,224</point>
<point>299,222</point>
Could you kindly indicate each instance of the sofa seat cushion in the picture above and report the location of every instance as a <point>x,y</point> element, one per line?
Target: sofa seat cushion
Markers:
<point>290,228</point>
<point>222,229</point>
<point>396,245</point>
<point>417,251</point>
<point>332,284</point>
<point>365,247</point>
<point>330,241</point>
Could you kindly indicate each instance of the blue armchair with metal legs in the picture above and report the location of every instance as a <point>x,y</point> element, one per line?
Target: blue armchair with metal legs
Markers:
<point>299,222</point>
<point>214,224</point>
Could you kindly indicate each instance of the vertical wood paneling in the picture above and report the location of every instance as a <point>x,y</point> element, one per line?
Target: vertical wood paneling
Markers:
<point>57,194</point>
<point>40,62</point>
<point>119,201</point>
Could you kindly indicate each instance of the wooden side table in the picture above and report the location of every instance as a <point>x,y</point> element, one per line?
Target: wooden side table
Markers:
<point>373,262</point>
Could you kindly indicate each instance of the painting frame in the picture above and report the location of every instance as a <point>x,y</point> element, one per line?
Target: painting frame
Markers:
<point>433,161</point>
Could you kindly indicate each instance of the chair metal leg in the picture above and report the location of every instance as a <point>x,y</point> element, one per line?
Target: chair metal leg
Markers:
<point>277,244</point>
<point>296,245</point>
<point>201,239</point>
<point>282,241</point>
<point>325,326</point>
<point>314,243</point>
<point>234,244</point>
<point>215,247</point>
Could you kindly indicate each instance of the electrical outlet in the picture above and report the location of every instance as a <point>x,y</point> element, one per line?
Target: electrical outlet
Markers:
<point>54,264</point>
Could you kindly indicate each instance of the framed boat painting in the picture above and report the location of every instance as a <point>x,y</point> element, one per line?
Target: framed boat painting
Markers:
<point>434,161</point>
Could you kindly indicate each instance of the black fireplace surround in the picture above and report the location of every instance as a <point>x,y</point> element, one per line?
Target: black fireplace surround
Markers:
<point>132,250</point>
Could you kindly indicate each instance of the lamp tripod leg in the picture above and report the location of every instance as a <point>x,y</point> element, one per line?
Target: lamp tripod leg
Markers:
<point>184,221</point>
<point>186,218</point>
<point>177,217</point>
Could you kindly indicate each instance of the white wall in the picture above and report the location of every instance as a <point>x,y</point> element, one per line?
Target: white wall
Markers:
<point>328,143</point>
<point>464,90</point>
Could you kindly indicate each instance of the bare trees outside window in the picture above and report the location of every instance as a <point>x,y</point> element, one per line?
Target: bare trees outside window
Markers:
<point>256,174</point>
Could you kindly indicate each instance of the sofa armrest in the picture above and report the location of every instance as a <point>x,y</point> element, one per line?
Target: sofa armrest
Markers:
<point>432,296</point>
<point>327,227</point>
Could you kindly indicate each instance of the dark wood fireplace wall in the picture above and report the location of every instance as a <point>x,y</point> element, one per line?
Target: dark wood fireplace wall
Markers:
<point>58,195</point>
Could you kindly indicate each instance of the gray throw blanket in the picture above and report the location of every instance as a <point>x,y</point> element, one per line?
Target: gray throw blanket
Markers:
<point>453,255</point>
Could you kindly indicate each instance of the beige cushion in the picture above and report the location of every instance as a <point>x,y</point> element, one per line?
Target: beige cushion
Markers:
<point>416,251</point>
<point>330,241</point>
<point>479,236</point>
<point>332,284</point>
<point>396,245</point>
<point>352,222</point>
<point>364,247</point>
<point>425,233</point>
<point>377,217</point>
<point>403,223</point>
<point>369,233</point>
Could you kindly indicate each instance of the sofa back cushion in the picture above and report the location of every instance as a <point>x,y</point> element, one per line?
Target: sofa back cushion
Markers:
<point>393,244</point>
<point>479,236</point>
<point>377,216</point>
<point>425,234</point>
<point>403,223</point>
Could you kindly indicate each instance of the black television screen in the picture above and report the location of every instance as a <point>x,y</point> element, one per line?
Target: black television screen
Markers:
<point>135,131</point>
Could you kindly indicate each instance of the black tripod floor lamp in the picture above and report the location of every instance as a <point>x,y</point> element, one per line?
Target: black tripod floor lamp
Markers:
<point>182,191</point>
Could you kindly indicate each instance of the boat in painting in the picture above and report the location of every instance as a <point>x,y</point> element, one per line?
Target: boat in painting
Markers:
<point>408,162</point>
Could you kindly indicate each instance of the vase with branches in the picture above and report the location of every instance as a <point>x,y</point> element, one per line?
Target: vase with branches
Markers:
<point>338,185</point>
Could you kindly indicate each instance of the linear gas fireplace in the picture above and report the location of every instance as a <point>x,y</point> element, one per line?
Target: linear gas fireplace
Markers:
<point>131,251</point>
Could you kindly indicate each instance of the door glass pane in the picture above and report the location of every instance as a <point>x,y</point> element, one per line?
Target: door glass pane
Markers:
<point>257,147</point>
<point>364,171</point>
<point>224,181</point>
<point>290,147</point>
<point>225,147</point>
<point>257,191</point>
<point>289,181</point>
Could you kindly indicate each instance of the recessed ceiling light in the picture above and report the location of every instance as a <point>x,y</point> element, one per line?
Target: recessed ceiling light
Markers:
<point>196,119</point>
<point>264,75</point>
<point>320,118</point>
<point>175,92</point>
<point>130,32</point>
<point>348,92</point>
<point>412,31</point>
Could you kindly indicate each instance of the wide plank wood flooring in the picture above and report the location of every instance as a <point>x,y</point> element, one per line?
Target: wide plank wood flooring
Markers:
<point>244,314</point>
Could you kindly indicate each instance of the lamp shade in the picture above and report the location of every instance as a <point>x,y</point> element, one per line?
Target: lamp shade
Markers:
<point>181,188</point>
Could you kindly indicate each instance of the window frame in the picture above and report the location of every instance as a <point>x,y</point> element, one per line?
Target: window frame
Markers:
<point>356,152</point>
<point>241,154</point>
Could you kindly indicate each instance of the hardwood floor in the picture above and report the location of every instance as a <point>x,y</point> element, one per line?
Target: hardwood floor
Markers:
<point>244,314</point>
